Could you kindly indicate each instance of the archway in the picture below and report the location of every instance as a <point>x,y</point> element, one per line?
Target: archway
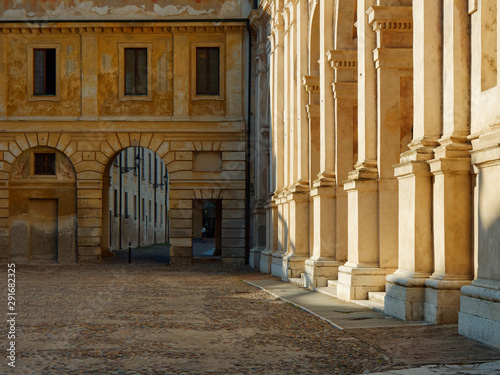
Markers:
<point>42,215</point>
<point>135,201</point>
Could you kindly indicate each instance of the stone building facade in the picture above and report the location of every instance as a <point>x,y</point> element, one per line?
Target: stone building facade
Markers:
<point>82,81</point>
<point>376,158</point>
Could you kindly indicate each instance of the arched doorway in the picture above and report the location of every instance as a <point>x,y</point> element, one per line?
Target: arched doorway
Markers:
<point>42,209</point>
<point>135,200</point>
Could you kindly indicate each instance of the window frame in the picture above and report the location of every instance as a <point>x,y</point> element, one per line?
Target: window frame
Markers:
<point>33,163</point>
<point>222,70</point>
<point>121,69</point>
<point>31,75</point>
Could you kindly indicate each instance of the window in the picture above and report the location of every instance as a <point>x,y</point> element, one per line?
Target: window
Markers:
<point>115,202</point>
<point>143,164</point>
<point>161,214</point>
<point>136,71</point>
<point>126,204</point>
<point>149,211</point>
<point>135,155</point>
<point>149,168</point>
<point>156,211</point>
<point>143,210</point>
<point>45,164</point>
<point>44,71</point>
<point>156,170</point>
<point>135,207</point>
<point>207,70</point>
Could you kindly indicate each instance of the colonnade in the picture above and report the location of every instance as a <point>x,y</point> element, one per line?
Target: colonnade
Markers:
<point>383,153</point>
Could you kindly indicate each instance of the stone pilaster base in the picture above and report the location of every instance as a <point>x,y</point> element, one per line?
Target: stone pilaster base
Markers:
<point>479,316</point>
<point>442,300</point>
<point>405,297</point>
<point>292,267</point>
<point>319,271</point>
<point>277,264</point>
<point>254,260</point>
<point>266,259</point>
<point>181,254</point>
<point>355,282</point>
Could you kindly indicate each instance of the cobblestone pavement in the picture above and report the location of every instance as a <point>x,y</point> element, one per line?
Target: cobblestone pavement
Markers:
<point>148,318</point>
<point>152,318</point>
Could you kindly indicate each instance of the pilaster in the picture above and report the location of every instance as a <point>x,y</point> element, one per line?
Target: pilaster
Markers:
<point>298,243</point>
<point>406,287</point>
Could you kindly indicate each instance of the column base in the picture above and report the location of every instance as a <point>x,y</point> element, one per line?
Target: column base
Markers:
<point>442,300</point>
<point>181,254</point>
<point>405,296</point>
<point>292,267</point>
<point>276,264</point>
<point>355,282</point>
<point>266,259</point>
<point>319,271</point>
<point>254,259</point>
<point>479,316</point>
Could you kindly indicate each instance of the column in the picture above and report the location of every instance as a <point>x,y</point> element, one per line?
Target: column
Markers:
<point>277,107</point>
<point>452,181</point>
<point>322,192</point>
<point>298,197</point>
<point>406,287</point>
<point>361,273</point>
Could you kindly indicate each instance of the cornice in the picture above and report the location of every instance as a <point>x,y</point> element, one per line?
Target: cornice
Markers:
<point>67,29</point>
<point>311,83</point>
<point>390,18</point>
<point>347,59</point>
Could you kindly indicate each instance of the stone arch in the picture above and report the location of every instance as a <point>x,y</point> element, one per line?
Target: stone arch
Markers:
<point>42,201</point>
<point>314,32</point>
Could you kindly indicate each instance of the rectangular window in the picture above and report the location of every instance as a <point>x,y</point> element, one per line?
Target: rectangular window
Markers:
<point>161,214</point>
<point>135,207</point>
<point>126,204</point>
<point>136,71</point>
<point>45,164</point>
<point>156,216</point>
<point>143,164</point>
<point>44,71</point>
<point>135,163</point>
<point>149,211</point>
<point>115,202</point>
<point>143,210</point>
<point>156,170</point>
<point>149,168</point>
<point>207,70</point>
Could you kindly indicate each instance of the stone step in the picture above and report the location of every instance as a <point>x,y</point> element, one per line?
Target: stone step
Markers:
<point>299,281</point>
<point>378,297</point>
<point>332,292</point>
<point>369,304</point>
<point>333,284</point>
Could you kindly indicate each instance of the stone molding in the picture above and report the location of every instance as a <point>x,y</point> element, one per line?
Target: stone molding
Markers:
<point>57,29</point>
